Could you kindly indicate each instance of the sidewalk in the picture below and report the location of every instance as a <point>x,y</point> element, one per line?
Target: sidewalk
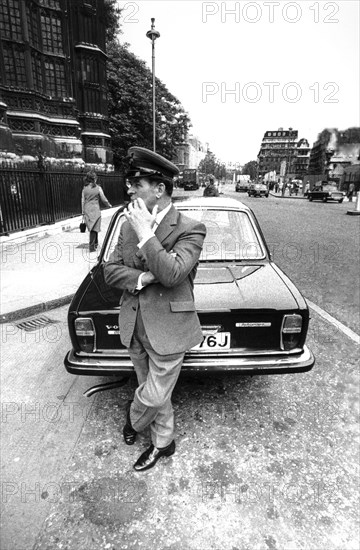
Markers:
<point>287,196</point>
<point>41,268</point>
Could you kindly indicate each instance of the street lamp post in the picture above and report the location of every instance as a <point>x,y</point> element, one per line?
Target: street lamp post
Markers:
<point>153,35</point>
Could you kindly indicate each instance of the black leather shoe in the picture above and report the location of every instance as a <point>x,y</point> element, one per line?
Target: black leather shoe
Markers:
<point>150,457</point>
<point>128,431</point>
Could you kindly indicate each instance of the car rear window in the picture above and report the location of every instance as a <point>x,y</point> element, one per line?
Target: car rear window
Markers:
<point>230,235</point>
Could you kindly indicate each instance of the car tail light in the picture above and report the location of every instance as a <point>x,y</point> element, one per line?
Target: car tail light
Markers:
<point>85,332</point>
<point>290,331</point>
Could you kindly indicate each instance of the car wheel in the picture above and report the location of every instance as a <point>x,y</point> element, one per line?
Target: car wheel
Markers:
<point>324,199</point>
<point>310,199</point>
<point>340,201</point>
<point>266,196</point>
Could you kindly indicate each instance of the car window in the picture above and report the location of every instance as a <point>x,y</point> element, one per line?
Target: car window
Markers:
<point>230,235</point>
<point>114,237</point>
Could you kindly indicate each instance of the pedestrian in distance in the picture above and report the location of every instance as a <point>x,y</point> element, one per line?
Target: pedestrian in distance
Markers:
<point>211,190</point>
<point>155,263</point>
<point>91,197</point>
<point>351,191</point>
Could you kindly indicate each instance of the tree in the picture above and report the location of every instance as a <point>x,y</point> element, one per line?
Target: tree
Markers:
<point>130,101</point>
<point>251,169</point>
<point>112,19</point>
<point>211,165</point>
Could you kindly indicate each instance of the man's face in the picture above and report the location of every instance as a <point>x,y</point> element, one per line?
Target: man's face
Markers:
<point>143,189</point>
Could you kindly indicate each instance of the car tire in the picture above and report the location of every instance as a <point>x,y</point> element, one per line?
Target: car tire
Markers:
<point>324,199</point>
<point>267,196</point>
<point>340,201</point>
<point>310,199</point>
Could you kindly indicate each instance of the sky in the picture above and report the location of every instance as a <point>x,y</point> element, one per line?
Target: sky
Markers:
<point>242,68</point>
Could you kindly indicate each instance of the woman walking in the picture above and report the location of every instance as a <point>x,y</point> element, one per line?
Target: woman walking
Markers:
<point>92,195</point>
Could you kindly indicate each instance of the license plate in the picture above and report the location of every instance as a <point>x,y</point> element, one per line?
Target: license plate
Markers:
<point>220,340</point>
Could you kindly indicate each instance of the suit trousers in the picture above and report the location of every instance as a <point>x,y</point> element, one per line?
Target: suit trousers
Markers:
<point>157,376</point>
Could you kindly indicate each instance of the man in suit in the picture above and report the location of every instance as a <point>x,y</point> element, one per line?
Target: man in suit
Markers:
<point>155,263</point>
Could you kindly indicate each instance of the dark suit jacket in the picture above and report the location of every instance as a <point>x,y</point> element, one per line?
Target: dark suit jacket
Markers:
<point>167,307</point>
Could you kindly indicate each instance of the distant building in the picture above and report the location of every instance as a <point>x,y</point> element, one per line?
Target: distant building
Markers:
<point>53,89</point>
<point>302,157</point>
<point>278,146</point>
<point>270,177</point>
<point>190,153</point>
<point>333,151</point>
<point>351,175</point>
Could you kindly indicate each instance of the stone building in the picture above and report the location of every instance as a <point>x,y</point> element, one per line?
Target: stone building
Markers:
<point>53,91</point>
<point>302,157</point>
<point>277,146</point>
<point>190,153</point>
<point>333,151</point>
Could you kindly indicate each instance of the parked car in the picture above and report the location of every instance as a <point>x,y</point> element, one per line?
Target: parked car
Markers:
<point>326,192</point>
<point>254,319</point>
<point>258,190</point>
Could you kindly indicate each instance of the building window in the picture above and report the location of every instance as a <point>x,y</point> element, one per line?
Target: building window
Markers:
<point>10,20</point>
<point>32,15</point>
<point>55,78</point>
<point>54,4</point>
<point>51,32</point>
<point>37,73</point>
<point>90,69</point>
<point>14,63</point>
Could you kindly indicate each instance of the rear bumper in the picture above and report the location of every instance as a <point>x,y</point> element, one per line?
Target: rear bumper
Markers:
<point>250,364</point>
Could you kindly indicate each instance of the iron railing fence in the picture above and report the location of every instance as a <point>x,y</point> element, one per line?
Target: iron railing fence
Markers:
<point>29,198</point>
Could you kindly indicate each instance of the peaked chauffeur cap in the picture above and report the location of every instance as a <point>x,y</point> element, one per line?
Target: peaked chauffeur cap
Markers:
<point>145,163</point>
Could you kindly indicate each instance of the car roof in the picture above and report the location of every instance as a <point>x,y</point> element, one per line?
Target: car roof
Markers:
<point>213,202</point>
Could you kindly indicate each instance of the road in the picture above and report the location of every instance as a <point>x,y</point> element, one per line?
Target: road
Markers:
<point>318,246</point>
<point>263,462</point>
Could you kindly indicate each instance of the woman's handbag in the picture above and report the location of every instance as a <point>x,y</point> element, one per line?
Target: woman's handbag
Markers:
<point>82,226</point>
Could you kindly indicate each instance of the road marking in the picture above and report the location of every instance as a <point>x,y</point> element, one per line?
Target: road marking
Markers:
<point>350,333</point>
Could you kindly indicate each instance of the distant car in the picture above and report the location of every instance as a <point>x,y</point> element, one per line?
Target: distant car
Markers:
<point>191,186</point>
<point>258,190</point>
<point>326,192</point>
<point>241,186</point>
<point>254,320</point>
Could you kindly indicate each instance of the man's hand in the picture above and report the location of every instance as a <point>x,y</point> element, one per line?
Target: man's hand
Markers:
<point>140,219</point>
<point>148,278</point>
